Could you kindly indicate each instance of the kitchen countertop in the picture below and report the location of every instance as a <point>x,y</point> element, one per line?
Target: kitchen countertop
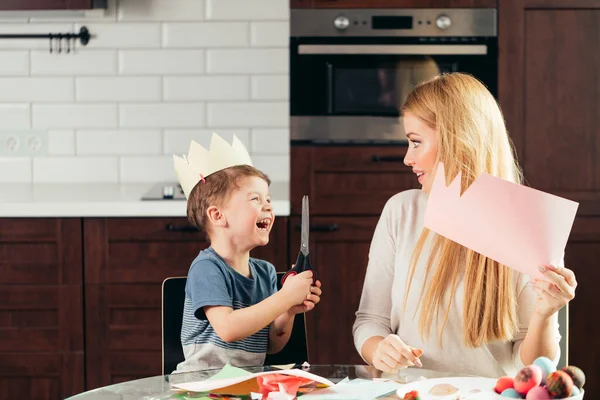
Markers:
<point>102,200</point>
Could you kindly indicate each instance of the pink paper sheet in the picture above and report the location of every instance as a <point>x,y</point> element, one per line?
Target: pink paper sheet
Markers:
<point>512,224</point>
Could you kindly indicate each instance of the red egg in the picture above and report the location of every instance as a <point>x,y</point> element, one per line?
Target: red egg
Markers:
<point>503,383</point>
<point>527,378</point>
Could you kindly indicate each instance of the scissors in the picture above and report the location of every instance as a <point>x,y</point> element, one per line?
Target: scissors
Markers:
<point>303,261</point>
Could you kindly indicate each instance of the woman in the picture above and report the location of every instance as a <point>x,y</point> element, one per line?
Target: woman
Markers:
<point>426,294</point>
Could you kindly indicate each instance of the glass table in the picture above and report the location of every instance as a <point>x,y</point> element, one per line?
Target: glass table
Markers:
<point>159,387</point>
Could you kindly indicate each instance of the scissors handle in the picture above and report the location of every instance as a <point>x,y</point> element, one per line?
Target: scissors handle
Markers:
<point>302,264</point>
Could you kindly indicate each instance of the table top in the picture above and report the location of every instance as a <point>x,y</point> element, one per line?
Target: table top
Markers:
<point>159,387</point>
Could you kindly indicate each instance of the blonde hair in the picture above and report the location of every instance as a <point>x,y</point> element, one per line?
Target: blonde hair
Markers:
<point>472,139</point>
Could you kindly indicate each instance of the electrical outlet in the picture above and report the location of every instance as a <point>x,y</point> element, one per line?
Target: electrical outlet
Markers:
<point>23,143</point>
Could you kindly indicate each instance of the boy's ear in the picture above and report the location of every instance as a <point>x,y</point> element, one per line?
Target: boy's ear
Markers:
<point>215,216</point>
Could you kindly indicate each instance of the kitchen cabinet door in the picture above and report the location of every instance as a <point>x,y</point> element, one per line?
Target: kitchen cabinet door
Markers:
<point>51,4</point>
<point>41,308</point>
<point>393,3</point>
<point>126,261</point>
<point>582,255</point>
<point>549,92</point>
<point>348,180</point>
<point>339,248</point>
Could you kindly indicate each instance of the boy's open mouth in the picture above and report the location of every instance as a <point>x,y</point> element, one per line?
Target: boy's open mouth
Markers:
<point>263,224</point>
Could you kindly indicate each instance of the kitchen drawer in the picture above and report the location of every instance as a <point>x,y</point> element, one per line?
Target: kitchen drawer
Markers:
<point>348,180</point>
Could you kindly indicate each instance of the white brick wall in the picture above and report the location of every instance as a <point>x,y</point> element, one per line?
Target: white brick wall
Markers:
<point>158,74</point>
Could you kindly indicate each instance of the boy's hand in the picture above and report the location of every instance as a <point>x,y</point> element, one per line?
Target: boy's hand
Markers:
<point>297,288</point>
<point>310,302</point>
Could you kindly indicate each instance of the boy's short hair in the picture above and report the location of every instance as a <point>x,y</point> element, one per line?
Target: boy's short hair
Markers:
<point>215,189</point>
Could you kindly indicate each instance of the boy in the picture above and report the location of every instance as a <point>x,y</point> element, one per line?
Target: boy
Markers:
<point>233,313</point>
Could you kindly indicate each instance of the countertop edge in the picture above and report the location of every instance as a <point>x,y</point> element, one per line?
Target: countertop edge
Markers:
<point>109,209</point>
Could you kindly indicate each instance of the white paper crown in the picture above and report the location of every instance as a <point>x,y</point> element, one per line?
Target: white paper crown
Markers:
<point>200,163</point>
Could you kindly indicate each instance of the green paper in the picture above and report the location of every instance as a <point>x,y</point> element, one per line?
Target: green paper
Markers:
<point>229,372</point>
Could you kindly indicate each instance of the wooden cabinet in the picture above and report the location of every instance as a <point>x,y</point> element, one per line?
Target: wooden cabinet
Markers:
<point>126,261</point>
<point>348,180</point>
<point>339,248</point>
<point>393,3</point>
<point>548,89</point>
<point>52,4</point>
<point>41,309</point>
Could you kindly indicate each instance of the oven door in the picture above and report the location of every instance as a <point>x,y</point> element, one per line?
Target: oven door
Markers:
<point>351,89</point>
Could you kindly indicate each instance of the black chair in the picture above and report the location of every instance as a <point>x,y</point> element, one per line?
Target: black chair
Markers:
<point>173,297</point>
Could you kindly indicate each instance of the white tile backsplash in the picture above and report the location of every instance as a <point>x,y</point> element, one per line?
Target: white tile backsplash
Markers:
<point>163,115</point>
<point>15,170</point>
<point>177,141</point>
<point>157,74</point>
<point>207,88</point>
<point>269,34</point>
<point>14,62</point>
<point>125,35</point>
<point>248,114</point>
<point>15,116</point>
<point>118,89</point>
<point>126,142</point>
<point>75,169</point>
<point>61,143</point>
<point>270,141</point>
<point>161,10</point>
<point>147,169</point>
<point>247,9</point>
<point>82,62</point>
<point>270,87</point>
<point>247,61</point>
<point>36,89</point>
<point>55,116</point>
<point>161,62</point>
<point>206,34</point>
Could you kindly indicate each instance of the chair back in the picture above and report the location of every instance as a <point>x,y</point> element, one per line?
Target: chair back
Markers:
<point>173,298</point>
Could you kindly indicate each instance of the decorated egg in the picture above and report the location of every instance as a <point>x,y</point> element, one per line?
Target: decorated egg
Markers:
<point>503,383</point>
<point>546,365</point>
<point>538,393</point>
<point>512,393</point>
<point>527,378</point>
<point>559,384</point>
<point>576,375</point>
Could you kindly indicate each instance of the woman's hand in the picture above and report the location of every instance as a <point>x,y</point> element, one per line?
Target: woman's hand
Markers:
<point>554,294</point>
<point>392,354</point>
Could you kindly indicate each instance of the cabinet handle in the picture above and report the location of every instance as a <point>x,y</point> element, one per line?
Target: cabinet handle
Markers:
<point>320,228</point>
<point>185,228</point>
<point>376,158</point>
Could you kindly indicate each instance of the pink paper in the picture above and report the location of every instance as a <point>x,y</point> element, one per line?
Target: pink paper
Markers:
<point>281,383</point>
<point>512,224</point>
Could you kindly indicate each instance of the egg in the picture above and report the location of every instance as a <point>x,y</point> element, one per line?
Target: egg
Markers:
<point>546,365</point>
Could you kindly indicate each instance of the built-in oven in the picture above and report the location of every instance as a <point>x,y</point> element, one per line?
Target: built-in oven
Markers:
<point>351,69</point>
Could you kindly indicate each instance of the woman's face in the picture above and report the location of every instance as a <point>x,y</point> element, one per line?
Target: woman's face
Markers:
<point>422,150</point>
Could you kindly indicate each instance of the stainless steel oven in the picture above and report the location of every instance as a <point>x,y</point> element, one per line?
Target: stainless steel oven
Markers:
<point>351,69</point>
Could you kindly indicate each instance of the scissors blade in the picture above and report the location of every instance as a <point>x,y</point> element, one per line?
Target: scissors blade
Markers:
<point>305,226</point>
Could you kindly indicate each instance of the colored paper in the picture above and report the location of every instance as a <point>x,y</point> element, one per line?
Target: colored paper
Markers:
<point>229,379</point>
<point>512,224</point>
<point>356,389</point>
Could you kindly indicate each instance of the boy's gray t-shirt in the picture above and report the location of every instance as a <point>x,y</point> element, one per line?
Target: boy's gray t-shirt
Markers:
<point>212,282</point>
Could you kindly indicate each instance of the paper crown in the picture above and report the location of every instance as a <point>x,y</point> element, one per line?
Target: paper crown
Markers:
<point>512,224</point>
<point>200,162</point>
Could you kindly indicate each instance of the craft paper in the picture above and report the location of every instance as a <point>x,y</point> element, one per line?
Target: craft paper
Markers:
<point>229,376</point>
<point>512,224</point>
<point>356,389</point>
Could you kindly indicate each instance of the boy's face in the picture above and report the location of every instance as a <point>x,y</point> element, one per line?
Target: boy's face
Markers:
<point>249,213</point>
